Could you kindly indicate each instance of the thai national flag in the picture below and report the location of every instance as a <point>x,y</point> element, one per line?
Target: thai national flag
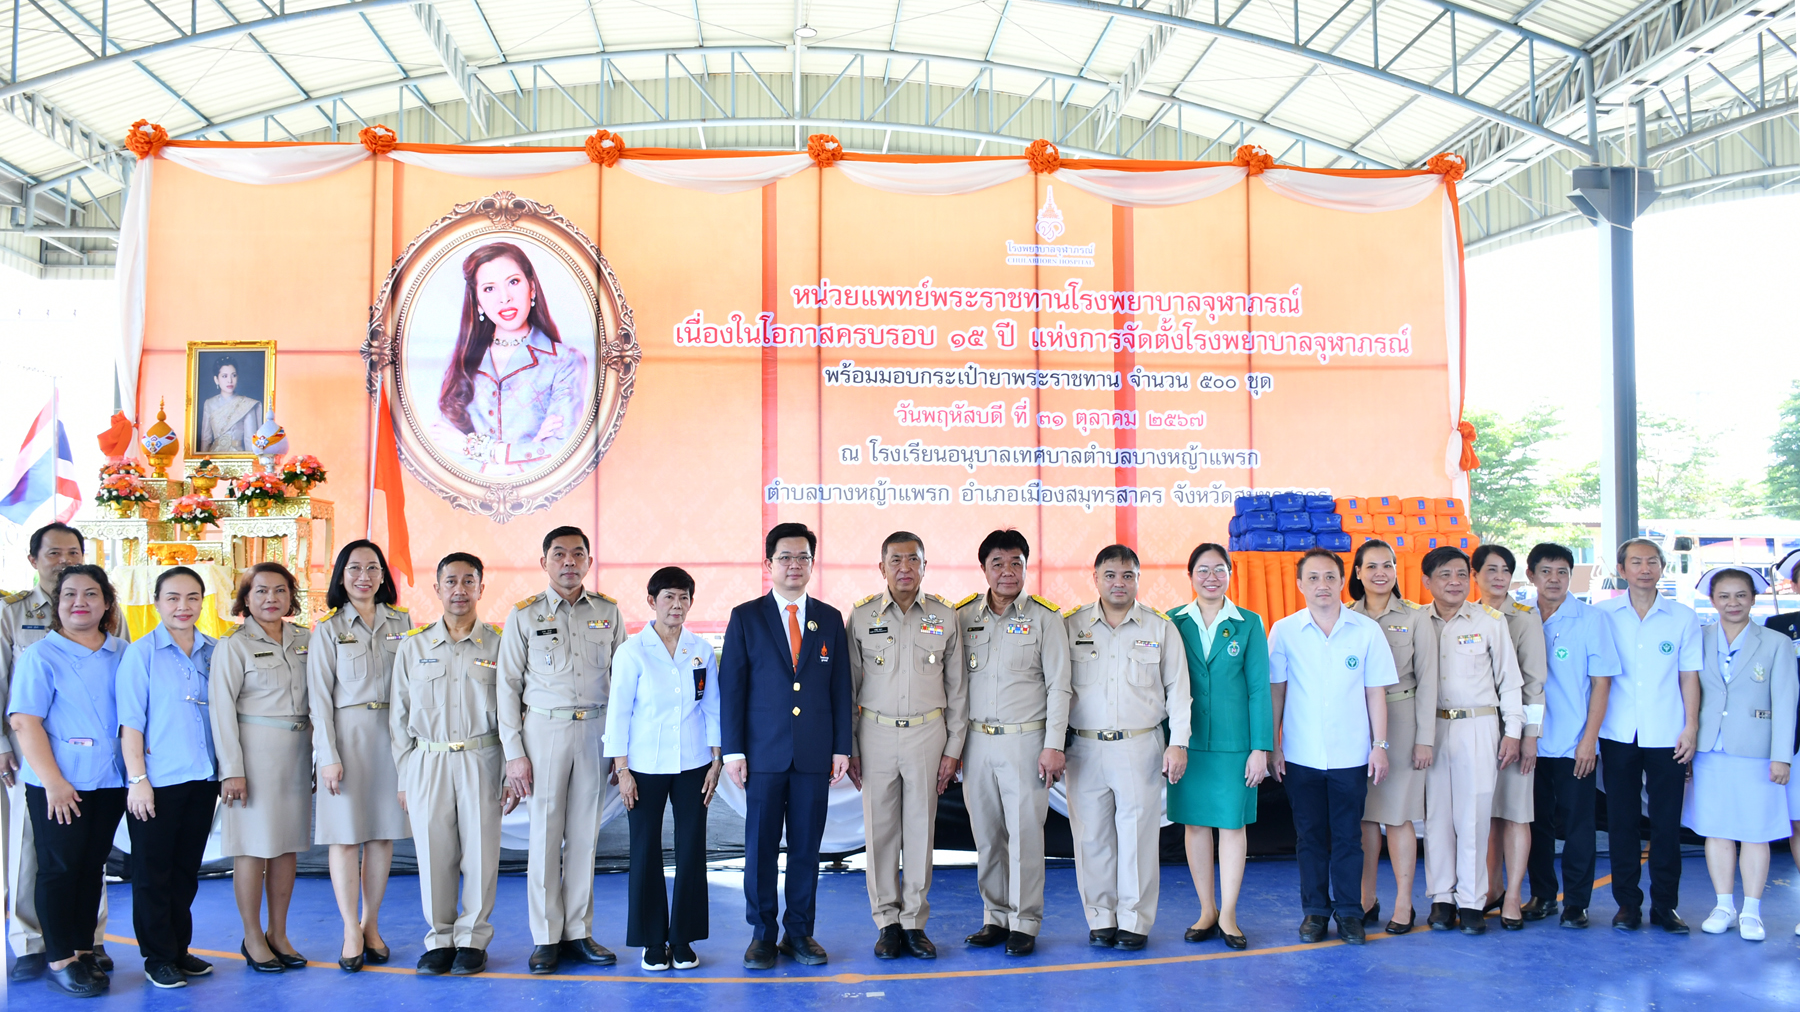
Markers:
<point>43,469</point>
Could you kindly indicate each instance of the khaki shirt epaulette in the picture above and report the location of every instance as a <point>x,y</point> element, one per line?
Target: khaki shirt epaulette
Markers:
<point>1070,613</point>
<point>603,597</point>
<point>327,616</point>
<point>16,596</point>
<point>965,601</point>
<point>303,625</point>
<point>397,608</point>
<point>1159,614</point>
<point>940,599</point>
<point>490,625</point>
<point>1520,606</point>
<point>1410,606</point>
<point>1493,611</point>
<point>528,602</point>
<point>865,600</point>
<point>416,630</point>
<point>1047,603</point>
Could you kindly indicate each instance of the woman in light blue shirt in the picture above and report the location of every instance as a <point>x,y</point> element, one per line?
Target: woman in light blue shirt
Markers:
<point>67,725</point>
<point>173,783</point>
<point>662,732</point>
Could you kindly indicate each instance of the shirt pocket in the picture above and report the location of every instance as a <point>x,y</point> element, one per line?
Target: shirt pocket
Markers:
<point>877,653</point>
<point>1146,666</point>
<point>977,643</point>
<point>1084,662</point>
<point>353,661</point>
<point>1021,651</point>
<point>431,686</point>
<point>596,649</point>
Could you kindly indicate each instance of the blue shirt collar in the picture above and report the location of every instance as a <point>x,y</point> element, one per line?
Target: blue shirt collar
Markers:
<point>64,645</point>
<point>160,638</point>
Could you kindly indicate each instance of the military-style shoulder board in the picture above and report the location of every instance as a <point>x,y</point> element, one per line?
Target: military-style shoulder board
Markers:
<point>939,598</point>
<point>1412,606</point>
<point>960,604</point>
<point>16,596</point>
<point>864,601</point>
<point>491,628</point>
<point>528,602</point>
<point>327,616</point>
<point>1046,603</point>
<point>1158,614</point>
<point>603,597</point>
<point>1521,606</point>
<point>397,608</point>
<point>1071,612</point>
<point>303,625</point>
<point>415,630</point>
<point>241,626</point>
<point>1492,612</point>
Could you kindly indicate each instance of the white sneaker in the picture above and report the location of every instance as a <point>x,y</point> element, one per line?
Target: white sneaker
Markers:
<point>1717,921</point>
<point>1750,929</point>
<point>656,957</point>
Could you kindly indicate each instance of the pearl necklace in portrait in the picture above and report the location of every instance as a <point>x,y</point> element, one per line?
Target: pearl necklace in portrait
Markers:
<point>510,342</point>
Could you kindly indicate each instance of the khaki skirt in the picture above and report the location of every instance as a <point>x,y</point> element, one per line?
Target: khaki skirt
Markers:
<point>1400,797</point>
<point>1515,798</point>
<point>278,779</point>
<point>365,807</point>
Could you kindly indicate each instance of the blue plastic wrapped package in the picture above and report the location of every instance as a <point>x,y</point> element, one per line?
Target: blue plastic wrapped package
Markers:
<point>1335,541</point>
<point>1262,541</point>
<point>1299,541</point>
<point>1231,543</point>
<point>1259,521</point>
<point>1322,522</point>
<point>1293,521</point>
<point>1235,527</point>
<point>1288,502</point>
<point>1320,504</point>
<point>1251,504</point>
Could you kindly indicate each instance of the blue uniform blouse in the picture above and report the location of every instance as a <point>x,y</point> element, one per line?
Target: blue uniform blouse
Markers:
<point>70,688</point>
<point>162,694</point>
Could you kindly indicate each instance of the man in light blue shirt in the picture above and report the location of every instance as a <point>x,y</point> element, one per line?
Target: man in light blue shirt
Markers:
<point>1582,664</point>
<point>1652,722</point>
<point>1328,671</point>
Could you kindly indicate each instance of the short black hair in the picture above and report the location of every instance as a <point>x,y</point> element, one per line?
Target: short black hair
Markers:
<point>1486,552</point>
<point>37,536</point>
<point>1545,551</point>
<point>1357,590</point>
<point>164,577</point>
<point>337,595</point>
<point>1008,540</point>
<point>466,559</point>
<point>1319,553</point>
<point>670,578</point>
<point>781,532</point>
<point>1202,549</point>
<point>1438,557</point>
<point>1660,557</point>
<point>902,538</point>
<point>566,531</point>
<point>1117,553</point>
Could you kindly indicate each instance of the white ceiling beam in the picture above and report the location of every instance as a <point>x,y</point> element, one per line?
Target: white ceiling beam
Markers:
<point>462,73</point>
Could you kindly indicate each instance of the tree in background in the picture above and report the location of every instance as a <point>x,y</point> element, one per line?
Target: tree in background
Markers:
<point>1512,493</point>
<point>1783,478</point>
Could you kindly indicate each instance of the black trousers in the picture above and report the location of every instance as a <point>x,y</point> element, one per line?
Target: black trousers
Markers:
<point>796,802</point>
<point>165,868</point>
<point>1562,801</point>
<point>1328,808</point>
<point>1629,767</point>
<point>649,922</point>
<point>72,867</point>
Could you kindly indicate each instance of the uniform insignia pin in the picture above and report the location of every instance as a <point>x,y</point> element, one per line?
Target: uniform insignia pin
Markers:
<point>812,626</point>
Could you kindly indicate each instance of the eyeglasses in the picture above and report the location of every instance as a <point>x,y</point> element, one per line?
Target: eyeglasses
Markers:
<point>789,561</point>
<point>1212,570</point>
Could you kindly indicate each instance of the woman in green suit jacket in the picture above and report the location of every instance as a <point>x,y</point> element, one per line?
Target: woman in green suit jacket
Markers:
<point>1233,733</point>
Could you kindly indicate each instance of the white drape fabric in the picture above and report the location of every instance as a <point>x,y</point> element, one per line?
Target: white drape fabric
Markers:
<point>268,166</point>
<point>718,175</point>
<point>1167,188</point>
<point>1358,195</point>
<point>499,165</point>
<point>933,179</point>
<point>134,235</point>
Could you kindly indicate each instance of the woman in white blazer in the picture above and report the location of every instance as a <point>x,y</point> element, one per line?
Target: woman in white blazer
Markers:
<point>1737,798</point>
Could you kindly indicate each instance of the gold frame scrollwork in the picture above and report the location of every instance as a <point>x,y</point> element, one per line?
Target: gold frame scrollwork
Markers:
<point>617,354</point>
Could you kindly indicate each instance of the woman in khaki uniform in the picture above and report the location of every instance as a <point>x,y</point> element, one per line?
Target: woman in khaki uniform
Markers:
<point>1412,703</point>
<point>349,674</point>
<point>258,703</point>
<point>1515,789</point>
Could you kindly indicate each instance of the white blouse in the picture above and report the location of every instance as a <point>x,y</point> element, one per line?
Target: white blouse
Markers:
<point>663,713</point>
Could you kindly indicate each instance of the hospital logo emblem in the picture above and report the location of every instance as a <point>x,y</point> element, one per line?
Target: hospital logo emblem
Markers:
<point>1667,647</point>
<point>1049,253</point>
<point>1350,662</point>
<point>1562,653</point>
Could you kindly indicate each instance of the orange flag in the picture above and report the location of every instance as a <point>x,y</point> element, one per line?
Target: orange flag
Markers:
<point>116,440</point>
<point>388,478</point>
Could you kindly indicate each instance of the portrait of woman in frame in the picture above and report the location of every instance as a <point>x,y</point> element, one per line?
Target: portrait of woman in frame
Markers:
<point>231,384</point>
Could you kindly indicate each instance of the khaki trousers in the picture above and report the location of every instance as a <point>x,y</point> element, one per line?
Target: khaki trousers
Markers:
<point>568,793</point>
<point>1115,814</point>
<point>1459,804</point>
<point>899,799</point>
<point>1007,803</point>
<point>22,929</point>
<point>453,803</point>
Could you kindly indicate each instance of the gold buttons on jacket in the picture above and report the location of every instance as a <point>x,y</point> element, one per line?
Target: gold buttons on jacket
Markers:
<point>796,711</point>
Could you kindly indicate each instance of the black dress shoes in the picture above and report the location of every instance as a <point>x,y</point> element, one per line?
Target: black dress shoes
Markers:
<point>1442,917</point>
<point>1129,941</point>
<point>920,946</point>
<point>102,960</point>
<point>803,950</point>
<point>1396,928</point>
<point>272,965</point>
<point>1312,928</point>
<point>1234,941</point>
<point>436,962</point>
<point>376,957</point>
<point>891,943</point>
<point>545,957</point>
<point>586,950</point>
<point>1372,916</point>
<point>1018,943</point>
<point>1351,930</point>
<point>1474,922</point>
<point>1670,921</point>
<point>351,965</point>
<point>1538,909</point>
<point>760,955</point>
<point>1200,934</point>
<point>1628,920</point>
<point>1574,919</point>
<point>989,936</point>
<point>1102,938</point>
<point>469,961</point>
<point>93,965</point>
<point>288,960</point>
<point>77,980</point>
<point>30,966</point>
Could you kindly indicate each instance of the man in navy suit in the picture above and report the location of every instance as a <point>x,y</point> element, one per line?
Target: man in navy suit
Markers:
<point>784,713</point>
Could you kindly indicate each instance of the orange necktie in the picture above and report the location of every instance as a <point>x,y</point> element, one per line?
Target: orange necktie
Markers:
<point>793,611</point>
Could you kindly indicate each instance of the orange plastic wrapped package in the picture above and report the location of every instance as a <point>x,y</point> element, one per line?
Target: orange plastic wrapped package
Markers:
<point>1447,506</point>
<point>1414,506</point>
<point>1358,522</point>
<point>1382,503</point>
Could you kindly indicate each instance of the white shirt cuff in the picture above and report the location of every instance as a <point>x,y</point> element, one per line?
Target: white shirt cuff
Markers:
<point>732,757</point>
<point>1534,713</point>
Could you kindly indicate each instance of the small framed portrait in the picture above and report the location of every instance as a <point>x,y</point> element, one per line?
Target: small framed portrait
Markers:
<point>230,388</point>
<point>507,350</point>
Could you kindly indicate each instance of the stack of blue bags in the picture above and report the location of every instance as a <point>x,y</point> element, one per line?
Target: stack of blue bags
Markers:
<point>1287,522</point>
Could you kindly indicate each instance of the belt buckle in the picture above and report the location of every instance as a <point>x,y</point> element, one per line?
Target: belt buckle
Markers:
<point>456,746</point>
<point>990,729</point>
<point>1111,736</point>
<point>578,715</point>
<point>902,722</point>
<point>1458,712</point>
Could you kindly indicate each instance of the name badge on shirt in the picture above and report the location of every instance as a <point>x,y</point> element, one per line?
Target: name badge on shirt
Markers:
<point>931,626</point>
<point>545,632</point>
<point>878,630</point>
<point>83,742</point>
<point>975,629</point>
<point>1017,628</point>
<point>480,663</point>
<point>434,660</point>
<point>346,638</point>
<point>1084,640</point>
<point>263,653</point>
<point>600,623</point>
<point>35,628</point>
<point>1469,640</point>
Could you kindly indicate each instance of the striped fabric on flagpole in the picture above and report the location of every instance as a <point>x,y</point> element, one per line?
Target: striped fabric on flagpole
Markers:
<point>44,468</point>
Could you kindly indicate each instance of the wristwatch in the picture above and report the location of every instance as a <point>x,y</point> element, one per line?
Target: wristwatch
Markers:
<point>1380,745</point>
<point>134,781</point>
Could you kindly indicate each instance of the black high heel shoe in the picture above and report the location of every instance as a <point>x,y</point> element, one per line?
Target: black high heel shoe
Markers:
<point>1396,928</point>
<point>1372,916</point>
<point>272,966</point>
<point>288,960</point>
<point>1512,924</point>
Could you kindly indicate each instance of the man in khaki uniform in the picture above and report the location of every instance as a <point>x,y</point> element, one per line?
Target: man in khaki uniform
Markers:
<point>446,731</point>
<point>1515,788</point>
<point>1129,674</point>
<point>912,698</point>
<point>555,673</point>
<point>25,619</point>
<point>1479,721</point>
<point>1018,664</point>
